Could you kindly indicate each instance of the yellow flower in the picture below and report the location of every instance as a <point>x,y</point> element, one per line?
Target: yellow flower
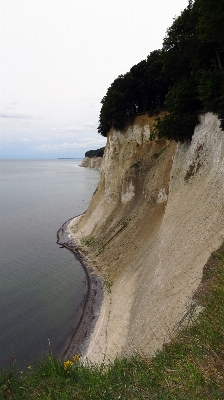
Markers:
<point>67,364</point>
<point>76,358</point>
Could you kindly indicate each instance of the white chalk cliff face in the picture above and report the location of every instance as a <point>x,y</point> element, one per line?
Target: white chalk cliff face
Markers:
<point>156,217</point>
<point>94,162</point>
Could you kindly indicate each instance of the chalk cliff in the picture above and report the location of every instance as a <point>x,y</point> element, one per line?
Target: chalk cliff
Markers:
<point>155,218</point>
<point>94,162</point>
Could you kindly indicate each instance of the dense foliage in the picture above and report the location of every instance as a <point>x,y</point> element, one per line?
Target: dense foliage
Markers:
<point>184,77</point>
<point>95,153</point>
<point>141,89</point>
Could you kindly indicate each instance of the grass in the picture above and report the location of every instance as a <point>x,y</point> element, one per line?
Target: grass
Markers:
<point>109,284</point>
<point>88,241</point>
<point>190,367</point>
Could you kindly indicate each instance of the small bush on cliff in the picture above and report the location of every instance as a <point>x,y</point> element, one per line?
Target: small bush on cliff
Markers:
<point>176,127</point>
<point>88,241</point>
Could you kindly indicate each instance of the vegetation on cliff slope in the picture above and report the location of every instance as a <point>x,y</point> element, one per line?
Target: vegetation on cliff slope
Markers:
<point>191,366</point>
<point>95,153</point>
<point>185,76</point>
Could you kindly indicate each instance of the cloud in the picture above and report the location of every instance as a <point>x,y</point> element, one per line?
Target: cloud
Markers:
<point>88,143</point>
<point>90,125</point>
<point>13,104</point>
<point>89,139</point>
<point>75,128</point>
<point>11,115</point>
<point>68,129</point>
<point>25,140</point>
<point>42,138</point>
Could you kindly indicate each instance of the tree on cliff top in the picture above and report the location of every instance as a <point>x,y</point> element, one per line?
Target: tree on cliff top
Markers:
<point>95,153</point>
<point>139,90</point>
<point>185,76</point>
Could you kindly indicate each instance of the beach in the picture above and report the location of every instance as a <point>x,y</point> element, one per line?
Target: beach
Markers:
<point>89,309</point>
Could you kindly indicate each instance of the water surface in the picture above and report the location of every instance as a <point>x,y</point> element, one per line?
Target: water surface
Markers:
<point>41,284</point>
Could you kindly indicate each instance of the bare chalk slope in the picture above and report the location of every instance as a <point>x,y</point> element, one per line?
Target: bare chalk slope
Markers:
<point>154,220</point>
<point>94,162</point>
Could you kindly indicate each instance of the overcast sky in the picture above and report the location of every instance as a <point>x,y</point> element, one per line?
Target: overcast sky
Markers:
<point>58,58</point>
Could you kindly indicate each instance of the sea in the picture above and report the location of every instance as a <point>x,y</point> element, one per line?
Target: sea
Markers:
<point>41,284</point>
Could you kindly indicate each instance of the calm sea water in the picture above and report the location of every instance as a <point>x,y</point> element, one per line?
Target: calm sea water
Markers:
<point>41,284</point>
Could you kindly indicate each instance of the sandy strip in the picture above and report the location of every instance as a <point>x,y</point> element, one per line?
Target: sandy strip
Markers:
<point>80,338</point>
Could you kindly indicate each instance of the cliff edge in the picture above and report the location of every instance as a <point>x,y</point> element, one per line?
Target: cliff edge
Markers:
<point>154,220</point>
<point>89,162</point>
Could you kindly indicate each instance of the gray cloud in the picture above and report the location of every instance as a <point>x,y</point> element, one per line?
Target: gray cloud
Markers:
<point>86,144</point>
<point>90,125</point>
<point>68,129</point>
<point>11,115</point>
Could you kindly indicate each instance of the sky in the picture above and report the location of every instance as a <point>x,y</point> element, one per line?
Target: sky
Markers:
<point>57,60</point>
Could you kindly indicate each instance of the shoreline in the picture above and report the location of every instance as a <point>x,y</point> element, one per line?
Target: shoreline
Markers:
<point>79,340</point>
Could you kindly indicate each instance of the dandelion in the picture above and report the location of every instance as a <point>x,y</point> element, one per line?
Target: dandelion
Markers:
<point>76,358</point>
<point>67,364</point>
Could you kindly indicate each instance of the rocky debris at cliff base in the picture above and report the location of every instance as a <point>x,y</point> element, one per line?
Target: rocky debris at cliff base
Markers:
<point>80,337</point>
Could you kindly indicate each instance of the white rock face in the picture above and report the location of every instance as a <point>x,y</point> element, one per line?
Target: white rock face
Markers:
<point>94,162</point>
<point>157,219</point>
<point>128,194</point>
<point>162,196</point>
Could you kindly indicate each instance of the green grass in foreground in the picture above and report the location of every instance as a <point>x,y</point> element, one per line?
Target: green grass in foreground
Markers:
<point>189,367</point>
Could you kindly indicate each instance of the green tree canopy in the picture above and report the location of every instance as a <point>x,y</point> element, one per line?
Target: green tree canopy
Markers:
<point>95,153</point>
<point>184,77</point>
